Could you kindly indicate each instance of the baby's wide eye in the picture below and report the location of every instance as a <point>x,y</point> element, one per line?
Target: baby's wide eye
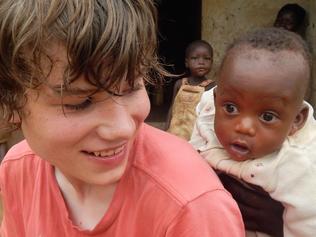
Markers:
<point>230,108</point>
<point>268,117</point>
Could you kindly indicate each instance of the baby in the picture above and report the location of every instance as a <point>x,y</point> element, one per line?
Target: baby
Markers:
<point>256,126</point>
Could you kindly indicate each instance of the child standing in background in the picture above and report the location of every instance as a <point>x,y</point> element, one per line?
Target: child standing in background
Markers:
<point>291,17</point>
<point>188,91</point>
<point>256,126</point>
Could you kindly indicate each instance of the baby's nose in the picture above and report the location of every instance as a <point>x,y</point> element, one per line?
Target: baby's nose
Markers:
<point>246,126</point>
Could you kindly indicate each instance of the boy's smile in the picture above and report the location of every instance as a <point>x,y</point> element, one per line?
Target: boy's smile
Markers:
<point>105,153</point>
<point>257,101</point>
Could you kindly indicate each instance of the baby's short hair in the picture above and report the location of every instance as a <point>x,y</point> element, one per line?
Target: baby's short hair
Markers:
<point>197,43</point>
<point>274,40</point>
<point>107,41</point>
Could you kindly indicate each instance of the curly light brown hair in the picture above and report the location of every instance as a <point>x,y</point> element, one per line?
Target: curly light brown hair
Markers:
<point>107,41</point>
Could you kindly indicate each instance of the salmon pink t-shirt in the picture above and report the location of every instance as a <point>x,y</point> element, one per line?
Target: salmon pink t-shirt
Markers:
<point>167,190</point>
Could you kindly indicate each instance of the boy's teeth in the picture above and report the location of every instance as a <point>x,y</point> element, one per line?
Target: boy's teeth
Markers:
<point>105,153</point>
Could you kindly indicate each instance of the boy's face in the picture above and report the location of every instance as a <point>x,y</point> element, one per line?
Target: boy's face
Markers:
<point>199,61</point>
<point>89,139</point>
<point>257,102</point>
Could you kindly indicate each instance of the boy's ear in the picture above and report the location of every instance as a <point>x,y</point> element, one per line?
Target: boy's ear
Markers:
<point>16,118</point>
<point>186,62</point>
<point>299,120</point>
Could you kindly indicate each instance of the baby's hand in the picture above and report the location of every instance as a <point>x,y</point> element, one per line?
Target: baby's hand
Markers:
<point>214,156</point>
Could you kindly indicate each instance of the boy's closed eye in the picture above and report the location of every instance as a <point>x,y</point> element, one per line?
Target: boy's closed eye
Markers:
<point>79,106</point>
<point>85,102</point>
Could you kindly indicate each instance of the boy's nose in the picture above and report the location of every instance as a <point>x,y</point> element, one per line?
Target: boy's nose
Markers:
<point>116,123</point>
<point>246,126</point>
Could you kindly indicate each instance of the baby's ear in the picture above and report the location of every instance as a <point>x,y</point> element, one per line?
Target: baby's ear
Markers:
<point>300,120</point>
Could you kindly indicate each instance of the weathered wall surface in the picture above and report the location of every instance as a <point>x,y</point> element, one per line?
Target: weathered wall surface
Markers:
<point>224,20</point>
<point>311,38</point>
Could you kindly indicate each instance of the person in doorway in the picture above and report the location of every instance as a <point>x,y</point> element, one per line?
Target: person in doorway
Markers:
<point>291,17</point>
<point>73,73</point>
<point>188,90</point>
<point>256,126</point>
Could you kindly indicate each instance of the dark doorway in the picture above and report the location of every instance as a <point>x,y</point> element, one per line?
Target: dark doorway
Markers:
<point>179,24</point>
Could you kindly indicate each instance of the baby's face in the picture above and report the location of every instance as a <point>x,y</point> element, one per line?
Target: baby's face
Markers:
<point>256,103</point>
<point>199,61</point>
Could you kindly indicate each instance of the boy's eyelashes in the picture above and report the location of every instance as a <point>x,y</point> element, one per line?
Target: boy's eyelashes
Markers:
<point>98,97</point>
<point>80,106</point>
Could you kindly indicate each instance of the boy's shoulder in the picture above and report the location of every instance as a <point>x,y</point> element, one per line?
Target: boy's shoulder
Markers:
<point>174,165</point>
<point>20,164</point>
<point>18,152</point>
<point>19,159</point>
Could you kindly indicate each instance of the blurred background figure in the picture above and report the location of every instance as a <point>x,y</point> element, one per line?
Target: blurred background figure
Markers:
<point>292,17</point>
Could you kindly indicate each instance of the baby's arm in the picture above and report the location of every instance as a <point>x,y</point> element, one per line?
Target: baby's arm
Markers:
<point>203,134</point>
<point>214,156</point>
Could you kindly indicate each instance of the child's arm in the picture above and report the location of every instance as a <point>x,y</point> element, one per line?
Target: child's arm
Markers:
<point>176,88</point>
<point>203,136</point>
